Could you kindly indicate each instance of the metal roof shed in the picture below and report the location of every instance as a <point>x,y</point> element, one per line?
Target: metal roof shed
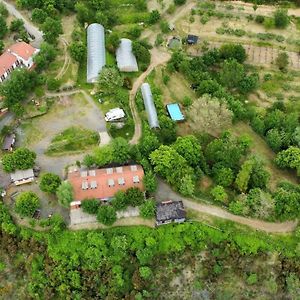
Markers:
<point>95,51</point>
<point>125,58</point>
<point>149,105</point>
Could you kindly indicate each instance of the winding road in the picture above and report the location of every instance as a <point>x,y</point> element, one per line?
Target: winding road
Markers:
<point>160,57</point>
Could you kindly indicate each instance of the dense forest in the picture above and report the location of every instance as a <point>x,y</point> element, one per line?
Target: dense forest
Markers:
<point>144,263</point>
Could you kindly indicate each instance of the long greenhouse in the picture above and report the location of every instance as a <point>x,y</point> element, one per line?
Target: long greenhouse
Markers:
<point>149,105</point>
<point>125,58</point>
<point>95,51</point>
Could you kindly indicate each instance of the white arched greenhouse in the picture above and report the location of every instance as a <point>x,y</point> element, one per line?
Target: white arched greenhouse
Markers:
<point>95,51</point>
<point>149,105</point>
<point>125,58</point>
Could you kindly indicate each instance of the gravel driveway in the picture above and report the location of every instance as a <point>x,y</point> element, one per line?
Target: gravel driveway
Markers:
<point>77,110</point>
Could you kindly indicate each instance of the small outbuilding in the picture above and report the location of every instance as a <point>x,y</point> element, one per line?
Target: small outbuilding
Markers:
<point>96,58</point>
<point>170,211</point>
<point>192,39</point>
<point>149,105</point>
<point>175,112</point>
<point>126,60</point>
<point>9,142</point>
<point>174,43</point>
<point>22,176</point>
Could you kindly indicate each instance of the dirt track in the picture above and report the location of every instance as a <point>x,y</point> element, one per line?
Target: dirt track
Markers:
<point>164,192</point>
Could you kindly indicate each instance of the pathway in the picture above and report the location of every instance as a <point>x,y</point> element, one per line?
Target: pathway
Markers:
<point>164,192</point>
<point>33,30</point>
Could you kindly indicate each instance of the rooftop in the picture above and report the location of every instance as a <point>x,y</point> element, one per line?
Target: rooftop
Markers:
<point>104,183</point>
<point>22,175</point>
<point>192,39</point>
<point>169,210</point>
<point>6,61</point>
<point>175,112</point>
<point>8,141</point>
<point>22,49</point>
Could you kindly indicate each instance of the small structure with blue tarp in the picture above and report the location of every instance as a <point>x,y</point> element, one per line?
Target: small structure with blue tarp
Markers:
<point>175,112</point>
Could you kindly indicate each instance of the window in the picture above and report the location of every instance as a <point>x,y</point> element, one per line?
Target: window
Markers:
<point>92,173</point>
<point>133,168</point>
<point>111,182</point>
<point>136,179</point>
<point>83,173</point>
<point>121,181</point>
<point>85,185</point>
<point>94,184</point>
<point>119,170</point>
<point>109,170</point>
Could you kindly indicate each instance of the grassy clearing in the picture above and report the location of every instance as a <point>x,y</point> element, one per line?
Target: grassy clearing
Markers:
<point>262,150</point>
<point>73,139</point>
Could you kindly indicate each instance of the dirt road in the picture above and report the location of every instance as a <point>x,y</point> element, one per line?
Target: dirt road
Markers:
<point>158,57</point>
<point>164,192</point>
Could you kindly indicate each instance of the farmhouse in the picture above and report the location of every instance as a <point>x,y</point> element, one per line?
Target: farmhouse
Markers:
<point>170,211</point>
<point>149,105</point>
<point>22,176</point>
<point>103,183</point>
<point>95,51</point>
<point>125,58</point>
<point>9,142</point>
<point>16,56</point>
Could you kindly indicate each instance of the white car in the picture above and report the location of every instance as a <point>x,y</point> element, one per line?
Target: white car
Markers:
<point>114,114</point>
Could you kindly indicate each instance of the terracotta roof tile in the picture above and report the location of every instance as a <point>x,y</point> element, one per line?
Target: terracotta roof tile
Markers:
<point>6,62</point>
<point>107,181</point>
<point>22,49</point>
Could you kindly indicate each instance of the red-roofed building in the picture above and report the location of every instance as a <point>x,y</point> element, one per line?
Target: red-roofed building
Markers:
<point>18,55</point>
<point>104,183</point>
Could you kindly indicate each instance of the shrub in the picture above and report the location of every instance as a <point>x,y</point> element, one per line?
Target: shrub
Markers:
<point>120,201</point>
<point>281,18</point>
<point>64,194</point>
<point>187,101</point>
<point>259,19</point>
<point>90,206</point>
<point>26,204</point>
<point>219,194</point>
<point>147,209</point>
<point>49,183</point>
<point>134,196</point>
<point>106,215</point>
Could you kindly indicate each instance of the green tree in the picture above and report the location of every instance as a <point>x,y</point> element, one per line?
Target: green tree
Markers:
<point>248,83</point>
<point>282,61</point>
<point>49,183</point>
<point>150,182</point>
<point>51,28</point>
<point>110,80</point>
<point>46,55</point>
<point>26,204</point>
<point>274,139</point>
<point>232,73</point>
<point>233,51</point>
<point>16,25</point>
<point>3,11</point>
<point>113,41</point>
<point>219,194</point>
<point>289,158</point>
<point>64,194</point>
<point>78,51</point>
<point>1,47</point>
<point>119,201</point>
<point>21,159</point>
<point>103,155</point>
<point>243,176</point>
<point>145,272</point>
<point>121,150</point>
<point>147,209</point>
<point>3,27</point>
<point>223,176</point>
<point>148,143</point>
<point>38,15</point>
<point>134,196</point>
<point>90,206</point>
<point>281,18</point>
<point>154,16</point>
<point>106,215</point>
<point>187,185</point>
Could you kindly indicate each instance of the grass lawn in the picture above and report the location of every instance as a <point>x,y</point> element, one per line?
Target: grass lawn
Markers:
<point>73,139</point>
